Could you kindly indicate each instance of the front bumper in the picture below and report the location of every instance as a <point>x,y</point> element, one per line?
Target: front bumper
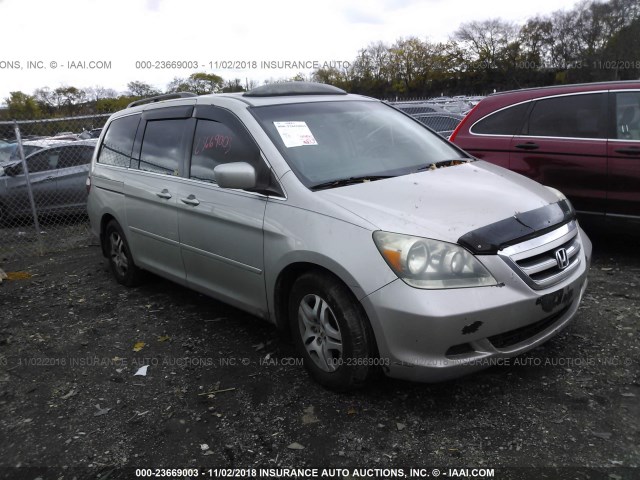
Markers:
<point>436,335</point>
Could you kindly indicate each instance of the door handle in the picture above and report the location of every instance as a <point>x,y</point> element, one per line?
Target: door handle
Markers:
<point>191,200</point>
<point>629,151</point>
<point>528,146</point>
<point>164,194</point>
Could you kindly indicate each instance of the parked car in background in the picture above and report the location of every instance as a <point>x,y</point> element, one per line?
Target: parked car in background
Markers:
<point>10,152</point>
<point>458,107</point>
<point>413,108</point>
<point>6,150</point>
<point>433,116</point>
<point>57,173</point>
<point>93,133</point>
<point>581,139</point>
<point>65,136</point>
<point>379,245</point>
<point>443,123</point>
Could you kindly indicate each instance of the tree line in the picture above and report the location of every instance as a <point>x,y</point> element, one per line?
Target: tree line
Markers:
<point>67,101</point>
<point>594,41</point>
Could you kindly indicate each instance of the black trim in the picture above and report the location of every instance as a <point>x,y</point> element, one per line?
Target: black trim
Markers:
<point>564,154</point>
<point>167,113</point>
<point>519,335</point>
<point>160,98</point>
<point>522,226</point>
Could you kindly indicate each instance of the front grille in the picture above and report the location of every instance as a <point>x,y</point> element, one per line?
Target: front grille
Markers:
<point>536,260</point>
<point>513,337</point>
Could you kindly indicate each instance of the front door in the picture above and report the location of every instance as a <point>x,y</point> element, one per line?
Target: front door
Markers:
<point>221,230</point>
<point>624,157</point>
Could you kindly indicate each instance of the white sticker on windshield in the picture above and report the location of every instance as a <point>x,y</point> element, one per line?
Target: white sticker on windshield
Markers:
<point>295,134</point>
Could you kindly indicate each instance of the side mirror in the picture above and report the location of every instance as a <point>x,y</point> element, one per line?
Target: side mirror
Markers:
<point>12,170</point>
<point>235,175</point>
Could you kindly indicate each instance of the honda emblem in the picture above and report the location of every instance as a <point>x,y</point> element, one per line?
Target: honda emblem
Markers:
<point>562,258</point>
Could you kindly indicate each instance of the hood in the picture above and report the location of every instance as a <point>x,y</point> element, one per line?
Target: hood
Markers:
<point>442,204</point>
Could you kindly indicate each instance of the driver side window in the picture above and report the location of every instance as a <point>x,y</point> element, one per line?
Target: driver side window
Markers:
<point>41,162</point>
<point>216,143</point>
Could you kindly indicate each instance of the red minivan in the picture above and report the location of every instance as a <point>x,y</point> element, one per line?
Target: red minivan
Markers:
<point>581,139</point>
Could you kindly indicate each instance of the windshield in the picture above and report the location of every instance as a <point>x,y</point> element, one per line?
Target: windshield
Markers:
<point>329,141</point>
<point>10,153</point>
<point>6,151</point>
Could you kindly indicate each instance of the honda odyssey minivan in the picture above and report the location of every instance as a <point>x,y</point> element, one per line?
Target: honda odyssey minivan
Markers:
<point>379,245</point>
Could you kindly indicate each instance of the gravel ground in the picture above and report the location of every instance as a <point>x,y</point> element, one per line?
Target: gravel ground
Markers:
<point>224,389</point>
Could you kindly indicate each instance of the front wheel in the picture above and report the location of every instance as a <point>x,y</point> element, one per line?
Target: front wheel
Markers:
<point>331,332</point>
<point>119,256</point>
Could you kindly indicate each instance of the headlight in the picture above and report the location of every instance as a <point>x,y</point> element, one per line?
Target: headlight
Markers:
<point>431,264</point>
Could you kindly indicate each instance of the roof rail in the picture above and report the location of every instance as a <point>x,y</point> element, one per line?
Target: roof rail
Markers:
<point>159,98</point>
<point>294,88</point>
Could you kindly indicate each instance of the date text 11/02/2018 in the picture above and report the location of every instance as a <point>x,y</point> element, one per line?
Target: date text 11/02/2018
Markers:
<point>318,473</point>
<point>240,64</point>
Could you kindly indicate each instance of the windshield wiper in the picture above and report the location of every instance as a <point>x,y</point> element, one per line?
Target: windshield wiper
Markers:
<point>348,181</point>
<point>443,163</point>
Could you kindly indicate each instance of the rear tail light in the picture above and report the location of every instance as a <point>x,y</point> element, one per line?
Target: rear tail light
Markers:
<point>88,184</point>
<point>462,123</point>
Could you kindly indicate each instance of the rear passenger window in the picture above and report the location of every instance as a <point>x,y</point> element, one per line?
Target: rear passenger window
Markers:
<point>576,116</point>
<point>43,161</point>
<point>504,122</point>
<point>75,156</point>
<point>118,142</point>
<point>628,116</point>
<point>163,146</point>
<point>216,143</point>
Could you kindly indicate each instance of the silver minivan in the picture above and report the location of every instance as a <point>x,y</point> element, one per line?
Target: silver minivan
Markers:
<point>379,245</point>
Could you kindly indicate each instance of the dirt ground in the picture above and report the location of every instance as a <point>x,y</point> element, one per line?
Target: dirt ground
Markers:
<point>225,390</point>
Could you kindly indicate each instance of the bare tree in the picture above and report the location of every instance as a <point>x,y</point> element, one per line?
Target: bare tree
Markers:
<point>536,40</point>
<point>98,92</point>
<point>141,89</point>
<point>486,41</point>
<point>234,85</point>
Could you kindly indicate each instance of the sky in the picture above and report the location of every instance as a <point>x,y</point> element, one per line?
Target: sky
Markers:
<point>87,43</point>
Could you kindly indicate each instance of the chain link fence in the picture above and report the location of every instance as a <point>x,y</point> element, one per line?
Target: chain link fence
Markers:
<point>441,114</point>
<point>43,198</point>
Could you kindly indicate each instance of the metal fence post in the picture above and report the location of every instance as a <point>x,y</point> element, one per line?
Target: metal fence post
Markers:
<point>50,187</point>
<point>25,169</point>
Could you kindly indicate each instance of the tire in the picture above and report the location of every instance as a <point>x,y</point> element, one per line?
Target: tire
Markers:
<point>119,256</point>
<point>330,332</point>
